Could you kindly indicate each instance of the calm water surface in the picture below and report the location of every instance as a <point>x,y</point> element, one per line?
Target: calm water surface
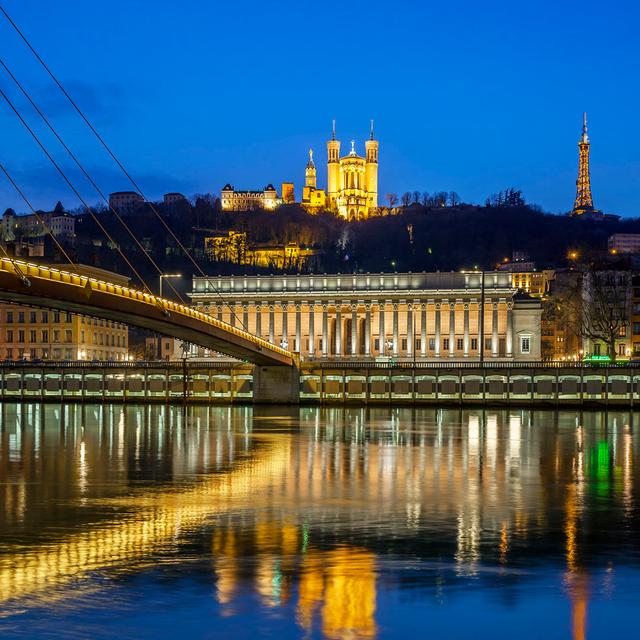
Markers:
<point>216,522</point>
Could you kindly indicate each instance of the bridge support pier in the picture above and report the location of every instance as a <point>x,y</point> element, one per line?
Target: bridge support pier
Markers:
<point>276,384</point>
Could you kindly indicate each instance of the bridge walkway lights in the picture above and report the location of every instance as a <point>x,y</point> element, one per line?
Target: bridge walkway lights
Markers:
<point>58,289</point>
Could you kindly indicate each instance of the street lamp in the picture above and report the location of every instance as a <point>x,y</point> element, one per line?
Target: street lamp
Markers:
<point>167,275</point>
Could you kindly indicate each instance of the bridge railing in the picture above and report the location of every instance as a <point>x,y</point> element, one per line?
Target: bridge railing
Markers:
<point>467,364</point>
<point>32,270</point>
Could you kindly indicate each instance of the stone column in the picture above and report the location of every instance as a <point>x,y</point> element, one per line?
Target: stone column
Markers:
<point>452,329</point>
<point>410,331</point>
<point>494,330</point>
<point>437,336</point>
<point>272,323</point>
<point>312,330</point>
<point>381,330</point>
<point>509,330</point>
<point>245,317</point>
<point>367,331</point>
<point>298,329</point>
<point>232,315</point>
<point>285,323</point>
<point>325,331</point>
<point>423,330</point>
<point>481,338</point>
<point>259,320</point>
<point>338,330</point>
<point>395,330</point>
<point>354,330</point>
<point>465,340</point>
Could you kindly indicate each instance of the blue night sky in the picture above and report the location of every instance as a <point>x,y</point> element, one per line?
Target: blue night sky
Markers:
<point>467,96</point>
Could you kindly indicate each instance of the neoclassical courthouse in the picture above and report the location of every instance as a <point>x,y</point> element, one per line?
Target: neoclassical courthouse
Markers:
<point>407,316</point>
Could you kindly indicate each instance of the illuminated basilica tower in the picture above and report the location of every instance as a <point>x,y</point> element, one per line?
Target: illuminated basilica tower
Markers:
<point>352,181</point>
<point>584,201</point>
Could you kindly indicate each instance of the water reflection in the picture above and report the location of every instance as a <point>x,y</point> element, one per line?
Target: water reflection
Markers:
<point>318,515</point>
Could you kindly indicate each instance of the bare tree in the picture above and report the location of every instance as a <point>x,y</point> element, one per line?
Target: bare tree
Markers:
<point>596,307</point>
<point>406,198</point>
<point>392,199</point>
<point>426,199</point>
<point>416,197</point>
<point>453,198</point>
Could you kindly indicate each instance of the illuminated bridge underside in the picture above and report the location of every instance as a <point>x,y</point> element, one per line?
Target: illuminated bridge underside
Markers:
<point>71,292</point>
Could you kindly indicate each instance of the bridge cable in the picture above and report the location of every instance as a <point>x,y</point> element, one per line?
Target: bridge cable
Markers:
<point>19,271</point>
<point>77,193</point>
<point>38,216</point>
<point>120,165</point>
<point>86,174</point>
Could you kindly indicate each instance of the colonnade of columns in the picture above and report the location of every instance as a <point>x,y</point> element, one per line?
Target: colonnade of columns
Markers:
<point>417,328</point>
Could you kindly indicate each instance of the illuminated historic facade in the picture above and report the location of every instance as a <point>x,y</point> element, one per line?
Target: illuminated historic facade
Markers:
<point>352,181</point>
<point>406,316</point>
<point>584,201</point>
<point>232,200</point>
<point>313,198</point>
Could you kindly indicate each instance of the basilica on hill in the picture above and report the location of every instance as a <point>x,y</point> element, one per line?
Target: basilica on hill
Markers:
<point>352,181</point>
<point>352,185</point>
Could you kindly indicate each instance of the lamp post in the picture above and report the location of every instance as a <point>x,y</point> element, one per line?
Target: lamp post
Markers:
<point>167,275</point>
<point>160,279</point>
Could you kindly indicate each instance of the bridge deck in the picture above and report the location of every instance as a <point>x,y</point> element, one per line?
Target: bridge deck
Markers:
<point>55,289</point>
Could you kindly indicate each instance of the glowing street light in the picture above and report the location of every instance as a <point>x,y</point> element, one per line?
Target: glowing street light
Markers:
<point>167,275</point>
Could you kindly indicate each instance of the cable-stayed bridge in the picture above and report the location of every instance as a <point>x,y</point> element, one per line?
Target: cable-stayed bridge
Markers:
<point>36,285</point>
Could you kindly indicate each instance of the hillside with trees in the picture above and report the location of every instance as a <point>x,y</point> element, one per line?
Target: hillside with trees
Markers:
<point>439,234</point>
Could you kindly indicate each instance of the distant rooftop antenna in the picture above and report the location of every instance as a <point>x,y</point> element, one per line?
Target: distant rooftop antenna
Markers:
<point>333,132</point>
<point>372,129</point>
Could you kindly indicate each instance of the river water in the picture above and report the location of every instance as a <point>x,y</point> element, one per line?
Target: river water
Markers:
<point>219,522</point>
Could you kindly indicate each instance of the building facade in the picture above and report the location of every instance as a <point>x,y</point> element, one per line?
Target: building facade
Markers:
<point>405,316</point>
<point>288,193</point>
<point>60,224</point>
<point>232,200</point>
<point>229,247</point>
<point>624,243</point>
<point>352,181</point>
<point>125,202</point>
<point>175,198</point>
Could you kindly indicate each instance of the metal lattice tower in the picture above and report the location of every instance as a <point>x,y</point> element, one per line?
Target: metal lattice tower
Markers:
<point>584,200</point>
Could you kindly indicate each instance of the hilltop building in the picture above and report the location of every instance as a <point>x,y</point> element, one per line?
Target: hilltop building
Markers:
<point>233,200</point>
<point>288,193</point>
<point>352,181</point>
<point>125,202</point>
<point>60,223</point>
<point>313,198</point>
<point>170,199</point>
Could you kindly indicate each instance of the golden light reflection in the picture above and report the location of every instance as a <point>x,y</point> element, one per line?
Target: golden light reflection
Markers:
<point>150,526</point>
<point>350,595</point>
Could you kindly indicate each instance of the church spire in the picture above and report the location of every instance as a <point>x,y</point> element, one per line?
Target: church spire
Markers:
<point>333,130</point>
<point>310,164</point>
<point>371,135</point>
